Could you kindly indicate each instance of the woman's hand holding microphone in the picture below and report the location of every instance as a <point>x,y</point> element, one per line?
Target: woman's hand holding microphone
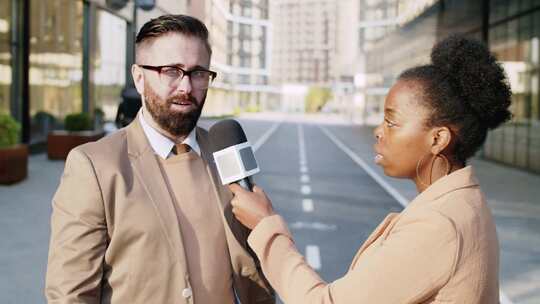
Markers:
<point>250,207</point>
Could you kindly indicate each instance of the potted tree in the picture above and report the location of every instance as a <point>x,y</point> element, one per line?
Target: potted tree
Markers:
<point>13,155</point>
<point>78,130</point>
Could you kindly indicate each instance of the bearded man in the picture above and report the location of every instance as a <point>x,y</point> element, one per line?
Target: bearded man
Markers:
<point>139,216</point>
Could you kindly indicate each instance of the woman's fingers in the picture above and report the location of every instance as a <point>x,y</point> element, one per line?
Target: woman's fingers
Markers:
<point>235,188</point>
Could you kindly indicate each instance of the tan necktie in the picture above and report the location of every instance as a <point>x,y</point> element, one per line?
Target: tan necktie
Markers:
<point>181,149</point>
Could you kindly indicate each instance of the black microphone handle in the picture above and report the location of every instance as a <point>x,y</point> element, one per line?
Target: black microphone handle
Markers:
<point>246,183</point>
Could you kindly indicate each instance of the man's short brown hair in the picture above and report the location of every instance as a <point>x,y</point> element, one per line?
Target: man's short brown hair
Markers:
<point>182,24</point>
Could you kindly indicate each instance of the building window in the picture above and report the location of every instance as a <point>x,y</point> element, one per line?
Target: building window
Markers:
<point>5,55</point>
<point>55,60</point>
<point>108,62</point>
<point>516,45</point>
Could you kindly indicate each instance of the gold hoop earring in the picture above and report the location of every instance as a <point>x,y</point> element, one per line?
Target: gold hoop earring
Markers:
<point>447,162</point>
<point>419,163</point>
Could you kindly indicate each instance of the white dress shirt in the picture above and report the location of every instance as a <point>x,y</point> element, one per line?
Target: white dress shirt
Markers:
<point>161,144</point>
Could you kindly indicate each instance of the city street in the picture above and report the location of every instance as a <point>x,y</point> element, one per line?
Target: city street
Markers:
<point>321,178</point>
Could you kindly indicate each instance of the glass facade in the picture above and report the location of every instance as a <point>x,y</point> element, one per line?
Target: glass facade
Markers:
<point>108,62</point>
<point>515,38</point>
<point>55,62</point>
<point>5,55</point>
<point>59,57</point>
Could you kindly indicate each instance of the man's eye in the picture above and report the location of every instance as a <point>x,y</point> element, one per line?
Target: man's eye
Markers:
<point>171,72</point>
<point>200,74</point>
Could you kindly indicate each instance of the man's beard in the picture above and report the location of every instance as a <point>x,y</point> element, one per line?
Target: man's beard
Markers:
<point>175,123</point>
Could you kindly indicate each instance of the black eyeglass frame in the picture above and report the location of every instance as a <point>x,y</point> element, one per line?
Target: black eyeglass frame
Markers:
<point>158,69</point>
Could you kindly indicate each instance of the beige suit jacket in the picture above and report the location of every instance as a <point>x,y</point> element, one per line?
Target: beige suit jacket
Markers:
<point>115,237</point>
<point>442,248</point>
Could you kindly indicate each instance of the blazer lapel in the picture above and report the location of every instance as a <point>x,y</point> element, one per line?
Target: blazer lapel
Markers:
<point>390,218</point>
<point>147,171</point>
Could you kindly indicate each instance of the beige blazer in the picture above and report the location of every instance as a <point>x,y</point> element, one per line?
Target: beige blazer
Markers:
<point>442,248</point>
<point>115,237</point>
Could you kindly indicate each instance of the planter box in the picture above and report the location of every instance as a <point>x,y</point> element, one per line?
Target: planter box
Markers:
<point>13,164</point>
<point>59,143</point>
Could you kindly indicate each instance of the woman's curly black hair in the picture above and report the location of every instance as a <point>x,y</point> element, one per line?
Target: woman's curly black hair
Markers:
<point>466,89</point>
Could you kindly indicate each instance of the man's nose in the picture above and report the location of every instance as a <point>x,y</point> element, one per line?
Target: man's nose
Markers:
<point>184,85</point>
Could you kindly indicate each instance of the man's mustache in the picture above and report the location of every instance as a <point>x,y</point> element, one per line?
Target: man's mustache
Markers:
<point>181,98</point>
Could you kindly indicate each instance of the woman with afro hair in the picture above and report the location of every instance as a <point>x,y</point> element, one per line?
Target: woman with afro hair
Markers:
<point>443,247</point>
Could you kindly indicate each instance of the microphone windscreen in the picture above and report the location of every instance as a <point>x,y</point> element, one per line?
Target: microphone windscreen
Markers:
<point>226,133</point>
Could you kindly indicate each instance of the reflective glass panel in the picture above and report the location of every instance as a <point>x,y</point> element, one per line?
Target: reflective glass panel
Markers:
<point>55,62</point>
<point>108,62</point>
<point>5,55</point>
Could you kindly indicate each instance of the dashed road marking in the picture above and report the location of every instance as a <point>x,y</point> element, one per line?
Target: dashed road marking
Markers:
<point>307,205</point>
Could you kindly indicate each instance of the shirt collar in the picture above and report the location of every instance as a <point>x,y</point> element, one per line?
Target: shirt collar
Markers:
<point>161,144</point>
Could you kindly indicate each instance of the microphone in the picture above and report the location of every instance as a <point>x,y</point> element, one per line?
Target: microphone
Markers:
<point>232,153</point>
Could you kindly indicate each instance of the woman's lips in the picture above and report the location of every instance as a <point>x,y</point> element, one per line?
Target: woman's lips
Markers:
<point>378,156</point>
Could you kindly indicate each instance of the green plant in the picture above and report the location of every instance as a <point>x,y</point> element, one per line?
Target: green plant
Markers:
<point>10,131</point>
<point>43,118</point>
<point>253,109</point>
<point>78,122</point>
<point>317,98</point>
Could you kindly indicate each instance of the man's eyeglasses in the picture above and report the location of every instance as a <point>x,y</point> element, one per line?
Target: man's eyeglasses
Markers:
<point>171,75</point>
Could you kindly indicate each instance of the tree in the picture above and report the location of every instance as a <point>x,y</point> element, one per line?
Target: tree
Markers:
<point>316,98</point>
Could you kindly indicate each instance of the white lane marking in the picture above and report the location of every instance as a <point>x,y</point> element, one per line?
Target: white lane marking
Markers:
<point>265,136</point>
<point>383,183</point>
<point>304,169</point>
<point>305,189</point>
<point>313,226</point>
<point>503,298</point>
<point>386,186</point>
<point>307,205</point>
<point>313,256</point>
<point>301,145</point>
<point>304,178</point>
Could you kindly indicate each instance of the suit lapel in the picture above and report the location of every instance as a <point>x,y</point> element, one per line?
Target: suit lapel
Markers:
<point>390,218</point>
<point>147,172</point>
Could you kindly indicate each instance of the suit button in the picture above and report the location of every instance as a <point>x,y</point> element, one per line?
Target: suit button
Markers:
<point>186,293</point>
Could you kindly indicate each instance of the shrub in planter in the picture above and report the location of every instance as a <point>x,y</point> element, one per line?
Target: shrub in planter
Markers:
<point>78,130</point>
<point>78,122</point>
<point>44,122</point>
<point>13,156</point>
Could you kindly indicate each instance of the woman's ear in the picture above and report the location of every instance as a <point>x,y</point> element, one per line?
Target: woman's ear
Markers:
<point>441,139</point>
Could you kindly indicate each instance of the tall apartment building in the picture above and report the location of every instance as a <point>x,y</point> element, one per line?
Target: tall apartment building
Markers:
<point>240,34</point>
<point>304,41</point>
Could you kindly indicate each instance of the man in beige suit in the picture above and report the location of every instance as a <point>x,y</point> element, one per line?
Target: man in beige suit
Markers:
<point>139,216</point>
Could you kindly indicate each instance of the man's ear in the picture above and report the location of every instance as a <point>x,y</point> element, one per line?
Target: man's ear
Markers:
<point>138,78</point>
<point>441,137</point>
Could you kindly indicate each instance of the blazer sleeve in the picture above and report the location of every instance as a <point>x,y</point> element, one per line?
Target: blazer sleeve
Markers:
<point>78,235</point>
<point>414,260</point>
